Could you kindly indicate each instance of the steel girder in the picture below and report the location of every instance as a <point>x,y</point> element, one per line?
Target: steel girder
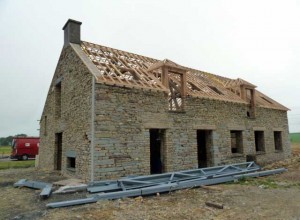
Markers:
<point>158,179</point>
<point>163,187</point>
<point>45,187</point>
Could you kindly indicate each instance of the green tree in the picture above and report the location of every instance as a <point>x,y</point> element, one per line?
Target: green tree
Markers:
<point>2,141</point>
<point>21,135</point>
<point>5,141</point>
<point>9,140</point>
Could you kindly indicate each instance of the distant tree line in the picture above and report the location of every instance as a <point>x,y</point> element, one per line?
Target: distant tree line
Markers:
<point>5,141</point>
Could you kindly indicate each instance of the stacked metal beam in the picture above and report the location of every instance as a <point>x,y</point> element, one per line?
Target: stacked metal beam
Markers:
<point>173,177</point>
<point>45,187</point>
<point>152,184</point>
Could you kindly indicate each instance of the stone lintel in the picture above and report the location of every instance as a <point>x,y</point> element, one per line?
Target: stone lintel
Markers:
<point>156,125</point>
<point>278,129</point>
<point>259,128</point>
<point>237,128</point>
<point>204,127</point>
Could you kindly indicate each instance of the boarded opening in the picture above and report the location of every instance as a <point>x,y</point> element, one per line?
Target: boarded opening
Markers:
<point>278,140</point>
<point>204,142</point>
<point>259,141</point>
<point>236,142</point>
<point>58,144</point>
<point>156,150</point>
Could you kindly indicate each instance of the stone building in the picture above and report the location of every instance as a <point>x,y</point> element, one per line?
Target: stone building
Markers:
<point>111,113</point>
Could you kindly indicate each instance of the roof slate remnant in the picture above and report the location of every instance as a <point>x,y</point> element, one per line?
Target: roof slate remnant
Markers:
<point>125,69</point>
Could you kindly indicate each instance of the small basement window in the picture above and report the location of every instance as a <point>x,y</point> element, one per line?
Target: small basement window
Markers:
<point>259,141</point>
<point>236,141</point>
<point>71,162</point>
<point>278,140</point>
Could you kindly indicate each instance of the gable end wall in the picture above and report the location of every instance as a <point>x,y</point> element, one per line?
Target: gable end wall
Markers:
<point>74,123</point>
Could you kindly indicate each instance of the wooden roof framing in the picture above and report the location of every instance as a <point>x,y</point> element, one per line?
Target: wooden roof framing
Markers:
<point>126,69</point>
<point>121,68</point>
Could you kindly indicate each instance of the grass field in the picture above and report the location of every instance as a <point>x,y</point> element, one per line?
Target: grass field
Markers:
<point>6,164</point>
<point>16,164</point>
<point>5,150</point>
<point>295,137</point>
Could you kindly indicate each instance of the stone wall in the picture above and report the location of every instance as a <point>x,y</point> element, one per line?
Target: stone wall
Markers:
<point>124,117</point>
<point>74,118</point>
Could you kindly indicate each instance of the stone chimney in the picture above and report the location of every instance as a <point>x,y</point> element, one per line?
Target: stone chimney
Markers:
<point>72,32</point>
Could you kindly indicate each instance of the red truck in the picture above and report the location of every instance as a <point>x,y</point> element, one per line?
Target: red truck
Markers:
<point>25,147</point>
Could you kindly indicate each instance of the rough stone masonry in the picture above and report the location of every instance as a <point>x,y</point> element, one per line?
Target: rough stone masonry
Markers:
<point>111,113</point>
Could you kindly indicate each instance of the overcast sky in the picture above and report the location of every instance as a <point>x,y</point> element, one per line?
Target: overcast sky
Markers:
<point>256,40</point>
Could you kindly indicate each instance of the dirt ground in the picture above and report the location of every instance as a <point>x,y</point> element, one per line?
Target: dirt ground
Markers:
<point>272,197</point>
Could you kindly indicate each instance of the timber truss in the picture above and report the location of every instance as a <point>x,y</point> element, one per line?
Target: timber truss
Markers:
<point>126,69</point>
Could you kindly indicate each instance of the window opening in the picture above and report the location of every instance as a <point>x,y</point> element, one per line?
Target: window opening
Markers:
<point>71,162</point>
<point>58,148</point>
<point>176,94</point>
<point>58,100</point>
<point>157,151</point>
<point>204,144</point>
<point>278,140</point>
<point>259,141</point>
<point>236,141</point>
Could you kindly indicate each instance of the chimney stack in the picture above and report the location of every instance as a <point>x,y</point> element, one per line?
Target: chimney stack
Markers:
<point>72,32</point>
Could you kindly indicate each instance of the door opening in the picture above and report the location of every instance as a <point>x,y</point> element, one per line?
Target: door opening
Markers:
<point>259,141</point>
<point>58,143</point>
<point>156,150</point>
<point>204,142</point>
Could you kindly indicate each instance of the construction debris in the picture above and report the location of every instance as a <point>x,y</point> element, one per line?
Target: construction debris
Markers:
<point>71,189</point>
<point>70,186</point>
<point>262,173</point>
<point>212,188</point>
<point>69,182</point>
<point>207,174</point>
<point>214,205</point>
<point>153,184</point>
<point>45,187</point>
<point>139,186</point>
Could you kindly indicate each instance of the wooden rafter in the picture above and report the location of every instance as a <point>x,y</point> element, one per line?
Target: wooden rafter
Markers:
<point>122,68</point>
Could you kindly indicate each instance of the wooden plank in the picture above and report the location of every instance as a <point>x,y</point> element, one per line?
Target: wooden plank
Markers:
<point>214,205</point>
